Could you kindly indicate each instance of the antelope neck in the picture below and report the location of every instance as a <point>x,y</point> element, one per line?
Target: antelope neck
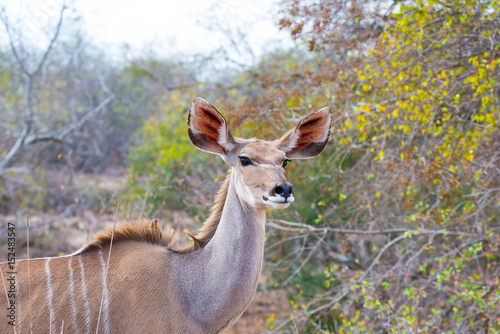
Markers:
<point>226,271</point>
<point>238,218</point>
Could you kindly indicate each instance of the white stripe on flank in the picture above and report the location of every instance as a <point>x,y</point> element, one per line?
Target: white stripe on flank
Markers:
<point>84,293</point>
<point>104,295</point>
<point>49,296</point>
<point>72,295</point>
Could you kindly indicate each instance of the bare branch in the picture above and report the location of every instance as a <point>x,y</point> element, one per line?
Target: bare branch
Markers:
<point>17,147</point>
<point>5,21</point>
<point>14,170</point>
<point>23,141</point>
<point>52,41</point>
<point>63,133</point>
<point>299,227</point>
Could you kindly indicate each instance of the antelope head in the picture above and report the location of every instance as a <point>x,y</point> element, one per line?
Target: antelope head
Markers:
<point>259,165</point>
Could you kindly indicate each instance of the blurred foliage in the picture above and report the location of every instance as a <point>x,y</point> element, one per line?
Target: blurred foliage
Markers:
<point>416,139</point>
<point>160,159</point>
<point>396,225</point>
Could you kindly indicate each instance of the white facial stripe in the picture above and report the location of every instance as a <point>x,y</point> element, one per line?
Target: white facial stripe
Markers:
<point>269,166</point>
<point>248,193</point>
<point>243,191</point>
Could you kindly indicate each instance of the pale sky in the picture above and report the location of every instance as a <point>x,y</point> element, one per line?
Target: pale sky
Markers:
<point>170,27</point>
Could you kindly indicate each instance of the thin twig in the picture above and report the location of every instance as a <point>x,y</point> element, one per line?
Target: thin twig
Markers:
<point>294,324</point>
<point>303,262</point>
<point>379,255</point>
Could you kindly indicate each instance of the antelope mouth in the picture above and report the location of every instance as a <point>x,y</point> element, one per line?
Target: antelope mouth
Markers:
<point>279,199</point>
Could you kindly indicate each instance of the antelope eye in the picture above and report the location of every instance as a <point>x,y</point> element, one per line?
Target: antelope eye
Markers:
<point>245,161</point>
<point>285,163</point>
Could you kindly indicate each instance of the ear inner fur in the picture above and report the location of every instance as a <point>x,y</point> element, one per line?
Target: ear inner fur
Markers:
<point>205,142</point>
<point>309,137</point>
<point>205,124</point>
<point>208,128</point>
<point>205,121</point>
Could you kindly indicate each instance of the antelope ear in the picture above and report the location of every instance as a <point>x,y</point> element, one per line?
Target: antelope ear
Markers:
<point>208,128</point>
<point>308,138</point>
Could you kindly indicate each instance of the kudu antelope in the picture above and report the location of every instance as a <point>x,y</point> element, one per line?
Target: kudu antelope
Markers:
<point>152,287</point>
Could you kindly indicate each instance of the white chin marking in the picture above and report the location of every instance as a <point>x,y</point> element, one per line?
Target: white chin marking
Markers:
<point>280,199</point>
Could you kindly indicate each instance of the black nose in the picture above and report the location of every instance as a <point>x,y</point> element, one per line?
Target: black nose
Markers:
<point>283,190</point>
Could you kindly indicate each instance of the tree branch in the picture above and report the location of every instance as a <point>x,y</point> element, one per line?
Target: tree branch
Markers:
<point>63,133</point>
<point>52,41</point>
<point>23,141</point>
<point>18,145</point>
<point>300,227</point>
<point>4,19</point>
<point>5,22</point>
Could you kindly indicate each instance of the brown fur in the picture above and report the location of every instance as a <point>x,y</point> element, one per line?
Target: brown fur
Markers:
<point>140,232</point>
